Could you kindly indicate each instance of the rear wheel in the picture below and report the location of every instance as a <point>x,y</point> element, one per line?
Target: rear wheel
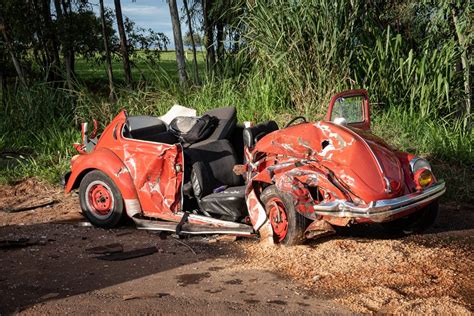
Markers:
<point>414,223</point>
<point>101,201</point>
<point>287,224</point>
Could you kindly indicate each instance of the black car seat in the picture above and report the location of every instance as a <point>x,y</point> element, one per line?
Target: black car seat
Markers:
<point>252,134</point>
<point>149,128</point>
<point>227,120</point>
<point>217,189</point>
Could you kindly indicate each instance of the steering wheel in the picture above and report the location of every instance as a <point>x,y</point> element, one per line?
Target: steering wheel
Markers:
<point>296,119</point>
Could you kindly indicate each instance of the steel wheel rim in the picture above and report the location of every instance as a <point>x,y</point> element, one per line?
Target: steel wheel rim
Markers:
<point>278,218</point>
<point>99,199</point>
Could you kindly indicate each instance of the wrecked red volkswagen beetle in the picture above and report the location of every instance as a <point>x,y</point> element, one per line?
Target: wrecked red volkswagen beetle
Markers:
<point>286,185</point>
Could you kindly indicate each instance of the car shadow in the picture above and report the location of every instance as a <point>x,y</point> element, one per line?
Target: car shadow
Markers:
<point>54,263</point>
<point>452,218</point>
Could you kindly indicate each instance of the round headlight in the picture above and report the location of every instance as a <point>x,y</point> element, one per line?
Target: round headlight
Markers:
<point>423,178</point>
<point>418,163</point>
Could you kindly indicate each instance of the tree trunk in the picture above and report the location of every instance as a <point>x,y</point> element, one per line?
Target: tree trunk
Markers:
<point>208,36</point>
<point>10,49</point>
<point>3,79</point>
<point>41,38</point>
<point>107,52</point>
<point>64,39</point>
<point>123,43</point>
<point>178,42</point>
<point>191,33</point>
<point>466,69</point>
<point>67,7</point>
<point>51,42</point>
<point>220,42</point>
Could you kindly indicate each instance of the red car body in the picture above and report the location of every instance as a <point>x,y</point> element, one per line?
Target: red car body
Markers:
<point>322,174</point>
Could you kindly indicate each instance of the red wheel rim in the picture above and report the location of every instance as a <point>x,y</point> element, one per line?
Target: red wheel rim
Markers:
<point>100,199</point>
<point>278,218</point>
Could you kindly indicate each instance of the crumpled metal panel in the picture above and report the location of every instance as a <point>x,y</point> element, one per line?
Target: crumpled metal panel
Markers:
<point>156,170</point>
<point>362,162</point>
<point>305,155</point>
<point>297,183</point>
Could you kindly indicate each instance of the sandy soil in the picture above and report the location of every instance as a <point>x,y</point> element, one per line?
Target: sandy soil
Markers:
<point>361,269</point>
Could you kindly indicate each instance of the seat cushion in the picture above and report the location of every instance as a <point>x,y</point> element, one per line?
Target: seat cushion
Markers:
<point>229,204</point>
<point>227,120</point>
<point>215,160</point>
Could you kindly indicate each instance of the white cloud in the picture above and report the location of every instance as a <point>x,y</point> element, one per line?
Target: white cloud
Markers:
<point>140,10</point>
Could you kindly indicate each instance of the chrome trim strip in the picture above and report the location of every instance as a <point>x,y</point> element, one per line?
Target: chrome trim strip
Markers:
<point>379,165</point>
<point>215,221</point>
<point>374,156</point>
<point>379,210</point>
<point>192,229</point>
<point>203,232</point>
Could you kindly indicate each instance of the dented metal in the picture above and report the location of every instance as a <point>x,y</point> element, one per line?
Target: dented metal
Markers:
<point>336,175</point>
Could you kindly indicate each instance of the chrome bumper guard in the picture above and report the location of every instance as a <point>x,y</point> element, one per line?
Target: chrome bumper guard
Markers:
<point>379,211</point>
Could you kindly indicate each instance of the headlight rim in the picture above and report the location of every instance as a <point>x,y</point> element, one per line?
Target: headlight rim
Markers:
<point>418,163</point>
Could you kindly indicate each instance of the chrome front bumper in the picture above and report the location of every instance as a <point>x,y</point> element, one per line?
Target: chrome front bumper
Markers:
<point>382,210</point>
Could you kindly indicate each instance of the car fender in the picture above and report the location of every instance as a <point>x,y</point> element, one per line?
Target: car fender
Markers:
<point>293,181</point>
<point>297,181</point>
<point>109,163</point>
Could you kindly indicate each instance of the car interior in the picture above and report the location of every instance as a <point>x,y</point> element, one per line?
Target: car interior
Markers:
<point>210,185</point>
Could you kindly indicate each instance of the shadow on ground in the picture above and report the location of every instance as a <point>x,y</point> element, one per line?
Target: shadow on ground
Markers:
<point>60,266</point>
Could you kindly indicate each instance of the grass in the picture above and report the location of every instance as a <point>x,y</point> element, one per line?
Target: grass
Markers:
<point>43,121</point>
<point>92,73</point>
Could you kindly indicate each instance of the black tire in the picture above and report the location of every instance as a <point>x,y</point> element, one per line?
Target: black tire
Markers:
<point>297,223</point>
<point>414,223</point>
<point>101,200</point>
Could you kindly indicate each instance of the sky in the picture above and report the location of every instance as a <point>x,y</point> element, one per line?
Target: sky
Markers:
<point>148,14</point>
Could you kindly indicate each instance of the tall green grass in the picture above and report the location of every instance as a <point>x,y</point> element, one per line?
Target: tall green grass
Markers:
<point>37,132</point>
<point>46,145</point>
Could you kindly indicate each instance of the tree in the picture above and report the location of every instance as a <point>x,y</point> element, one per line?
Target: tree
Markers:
<point>51,40</point>
<point>11,50</point>
<point>187,41</point>
<point>193,43</point>
<point>178,42</point>
<point>62,33</point>
<point>208,35</point>
<point>107,52</point>
<point>123,43</point>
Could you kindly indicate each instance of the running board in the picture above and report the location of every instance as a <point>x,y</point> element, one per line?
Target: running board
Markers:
<point>191,229</point>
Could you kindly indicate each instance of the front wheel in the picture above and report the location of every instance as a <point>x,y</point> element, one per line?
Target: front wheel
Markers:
<point>416,222</point>
<point>288,225</point>
<point>101,200</point>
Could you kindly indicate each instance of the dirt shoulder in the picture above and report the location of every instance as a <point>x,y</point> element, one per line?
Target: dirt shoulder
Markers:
<point>359,270</point>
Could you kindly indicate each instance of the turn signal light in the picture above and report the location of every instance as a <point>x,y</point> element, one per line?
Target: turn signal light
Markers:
<point>423,178</point>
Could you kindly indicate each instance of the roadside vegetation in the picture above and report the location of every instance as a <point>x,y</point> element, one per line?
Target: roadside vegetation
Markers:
<point>271,59</point>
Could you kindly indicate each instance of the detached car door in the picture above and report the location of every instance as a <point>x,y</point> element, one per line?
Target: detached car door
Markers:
<point>351,108</point>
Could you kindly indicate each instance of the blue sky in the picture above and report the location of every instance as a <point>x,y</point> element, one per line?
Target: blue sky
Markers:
<point>152,14</point>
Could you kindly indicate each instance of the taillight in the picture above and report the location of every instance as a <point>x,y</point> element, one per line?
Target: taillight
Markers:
<point>423,178</point>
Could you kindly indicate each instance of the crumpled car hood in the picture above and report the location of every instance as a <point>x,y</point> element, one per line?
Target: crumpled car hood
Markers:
<point>365,164</point>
